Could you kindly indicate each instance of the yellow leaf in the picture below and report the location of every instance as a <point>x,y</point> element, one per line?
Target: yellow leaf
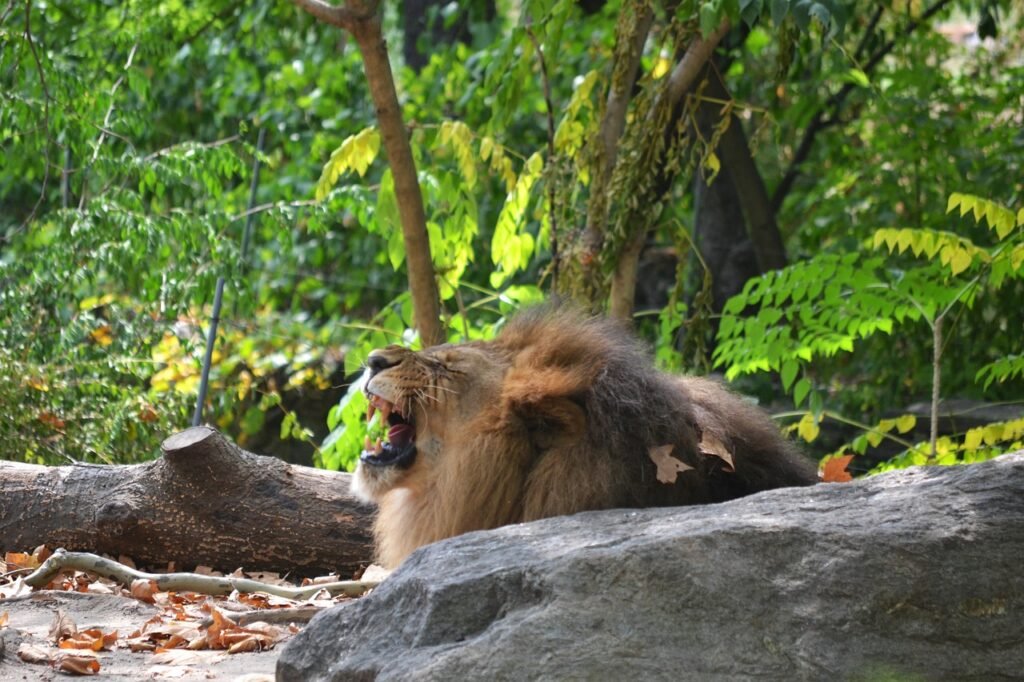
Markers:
<point>669,467</point>
<point>808,428</point>
<point>662,65</point>
<point>960,260</point>
<point>972,441</point>
<point>38,384</point>
<point>713,164</point>
<point>906,423</point>
<point>102,335</point>
<point>954,201</point>
<point>992,434</point>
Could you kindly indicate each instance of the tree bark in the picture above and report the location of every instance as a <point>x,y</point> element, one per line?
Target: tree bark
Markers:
<point>720,237</point>
<point>362,20</point>
<point>205,502</point>
<point>631,34</point>
<point>426,301</point>
<point>682,78</point>
<point>750,188</point>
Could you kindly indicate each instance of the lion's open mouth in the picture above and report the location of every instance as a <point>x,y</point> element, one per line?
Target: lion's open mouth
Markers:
<point>399,447</point>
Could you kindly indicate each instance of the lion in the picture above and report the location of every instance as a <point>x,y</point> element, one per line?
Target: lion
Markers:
<point>560,413</point>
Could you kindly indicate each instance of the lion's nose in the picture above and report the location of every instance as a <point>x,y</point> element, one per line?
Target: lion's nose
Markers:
<point>378,361</point>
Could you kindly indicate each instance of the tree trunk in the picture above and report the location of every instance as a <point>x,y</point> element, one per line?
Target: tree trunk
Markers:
<point>426,300</point>
<point>750,189</point>
<point>631,34</point>
<point>206,501</point>
<point>720,237</point>
<point>361,18</point>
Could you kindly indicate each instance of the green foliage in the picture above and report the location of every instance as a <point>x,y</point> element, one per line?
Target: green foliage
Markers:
<point>150,111</point>
<point>827,305</point>
<point>976,445</point>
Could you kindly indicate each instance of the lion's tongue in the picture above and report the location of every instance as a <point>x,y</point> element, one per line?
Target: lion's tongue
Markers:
<point>400,434</point>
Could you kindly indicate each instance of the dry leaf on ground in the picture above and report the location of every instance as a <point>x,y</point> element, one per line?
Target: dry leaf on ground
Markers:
<point>33,654</point>
<point>62,627</point>
<point>77,664</point>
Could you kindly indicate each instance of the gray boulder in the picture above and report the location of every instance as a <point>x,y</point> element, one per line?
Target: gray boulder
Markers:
<point>916,574</point>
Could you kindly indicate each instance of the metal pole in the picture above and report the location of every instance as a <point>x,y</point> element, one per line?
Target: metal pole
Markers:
<point>247,233</point>
<point>211,336</point>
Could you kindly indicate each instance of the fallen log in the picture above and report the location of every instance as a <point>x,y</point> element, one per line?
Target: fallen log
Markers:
<point>204,502</point>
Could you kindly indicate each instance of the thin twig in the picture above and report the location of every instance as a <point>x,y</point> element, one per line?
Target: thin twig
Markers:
<point>46,110</point>
<point>202,145</point>
<point>103,129</point>
<point>551,157</point>
<point>192,582</point>
<point>272,205</point>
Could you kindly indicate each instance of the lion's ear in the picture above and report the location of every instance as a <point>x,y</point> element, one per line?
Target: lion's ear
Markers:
<point>548,403</point>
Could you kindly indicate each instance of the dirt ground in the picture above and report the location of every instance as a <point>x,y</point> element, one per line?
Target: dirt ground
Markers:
<point>29,619</point>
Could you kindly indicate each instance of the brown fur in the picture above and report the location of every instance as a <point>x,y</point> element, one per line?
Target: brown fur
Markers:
<point>555,416</point>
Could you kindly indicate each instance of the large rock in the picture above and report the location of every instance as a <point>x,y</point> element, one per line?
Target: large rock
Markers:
<point>916,574</point>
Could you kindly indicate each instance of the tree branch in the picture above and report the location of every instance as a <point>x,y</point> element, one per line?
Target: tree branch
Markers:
<point>685,73</point>
<point>344,17</point>
<point>46,109</point>
<point>827,116</point>
<point>180,582</point>
<point>682,78</point>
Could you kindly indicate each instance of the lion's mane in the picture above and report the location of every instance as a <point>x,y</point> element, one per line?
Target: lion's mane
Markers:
<point>571,427</point>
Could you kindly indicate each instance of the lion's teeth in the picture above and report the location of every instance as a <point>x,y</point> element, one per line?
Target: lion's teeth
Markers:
<point>369,411</point>
<point>367,444</point>
<point>378,446</point>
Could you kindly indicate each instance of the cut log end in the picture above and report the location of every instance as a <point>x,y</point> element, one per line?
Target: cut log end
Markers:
<point>186,440</point>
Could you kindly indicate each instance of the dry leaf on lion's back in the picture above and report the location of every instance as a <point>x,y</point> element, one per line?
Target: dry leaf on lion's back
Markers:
<point>835,471</point>
<point>712,447</point>
<point>668,466</point>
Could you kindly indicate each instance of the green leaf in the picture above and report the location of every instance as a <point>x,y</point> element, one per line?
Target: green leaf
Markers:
<point>800,391</point>
<point>788,373</point>
<point>779,9</point>
<point>710,17</point>
<point>858,77</point>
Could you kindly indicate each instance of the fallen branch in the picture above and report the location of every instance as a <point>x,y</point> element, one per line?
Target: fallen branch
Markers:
<point>205,502</point>
<point>184,582</point>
